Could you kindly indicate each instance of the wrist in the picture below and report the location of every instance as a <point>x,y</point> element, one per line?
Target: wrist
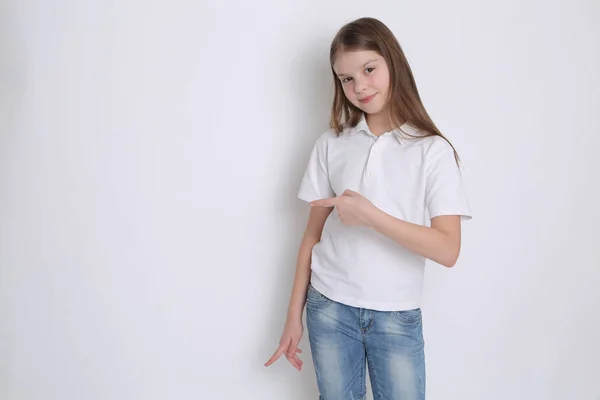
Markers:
<point>373,217</point>
<point>294,315</point>
<point>293,318</point>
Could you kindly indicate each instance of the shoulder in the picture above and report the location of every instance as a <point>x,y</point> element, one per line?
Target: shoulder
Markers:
<point>433,150</point>
<point>326,138</point>
<point>432,145</point>
<point>328,135</point>
<point>436,145</point>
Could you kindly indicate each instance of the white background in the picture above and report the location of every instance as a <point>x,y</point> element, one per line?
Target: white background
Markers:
<point>150,154</point>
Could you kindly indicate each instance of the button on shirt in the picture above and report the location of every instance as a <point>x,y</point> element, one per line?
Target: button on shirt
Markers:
<point>410,179</point>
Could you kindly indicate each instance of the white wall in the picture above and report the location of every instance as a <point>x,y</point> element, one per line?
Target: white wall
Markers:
<point>150,154</point>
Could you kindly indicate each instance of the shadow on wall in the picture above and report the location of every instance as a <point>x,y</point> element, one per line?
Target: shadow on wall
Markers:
<point>11,76</point>
<point>12,86</point>
<point>313,91</point>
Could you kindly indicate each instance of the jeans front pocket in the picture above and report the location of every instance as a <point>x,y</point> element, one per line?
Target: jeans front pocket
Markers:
<point>409,317</point>
<point>315,300</point>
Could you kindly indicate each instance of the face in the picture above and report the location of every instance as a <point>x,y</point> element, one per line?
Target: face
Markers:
<point>365,78</point>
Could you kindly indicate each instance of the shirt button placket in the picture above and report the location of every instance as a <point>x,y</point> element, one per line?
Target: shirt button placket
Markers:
<point>373,161</point>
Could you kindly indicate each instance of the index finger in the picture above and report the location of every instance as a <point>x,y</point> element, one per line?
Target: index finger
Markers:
<point>275,356</point>
<point>331,202</point>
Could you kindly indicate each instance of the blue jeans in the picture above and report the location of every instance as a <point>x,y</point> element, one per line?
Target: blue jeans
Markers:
<point>344,339</point>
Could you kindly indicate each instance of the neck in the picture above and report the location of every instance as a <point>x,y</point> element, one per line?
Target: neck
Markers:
<point>379,123</point>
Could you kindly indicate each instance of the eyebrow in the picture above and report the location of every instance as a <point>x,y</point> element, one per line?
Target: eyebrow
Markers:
<point>370,61</point>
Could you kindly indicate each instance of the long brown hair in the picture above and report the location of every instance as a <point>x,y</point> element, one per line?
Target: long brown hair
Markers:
<point>403,97</point>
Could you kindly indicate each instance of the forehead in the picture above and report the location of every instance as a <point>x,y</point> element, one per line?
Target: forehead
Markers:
<point>350,61</point>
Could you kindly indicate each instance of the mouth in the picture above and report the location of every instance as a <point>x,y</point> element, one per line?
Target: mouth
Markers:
<point>365,100</point>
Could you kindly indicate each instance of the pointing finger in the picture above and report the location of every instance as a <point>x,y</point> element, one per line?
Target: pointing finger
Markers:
<point>275,356</point>
<point>331,202</point>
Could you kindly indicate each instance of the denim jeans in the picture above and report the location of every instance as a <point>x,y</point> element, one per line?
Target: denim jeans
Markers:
<point>343,339</point>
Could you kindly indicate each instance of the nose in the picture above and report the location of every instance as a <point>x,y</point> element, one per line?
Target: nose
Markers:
<point>359,85</point>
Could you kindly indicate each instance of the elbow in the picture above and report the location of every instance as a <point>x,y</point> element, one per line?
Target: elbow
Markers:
<point>449,263</point>
<point>448,249</point>
<point>450,260</point>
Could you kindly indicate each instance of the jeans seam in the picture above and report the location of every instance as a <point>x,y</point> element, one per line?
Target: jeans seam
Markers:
<point>362,377</point>
<point>422,380</point>
<point>374,381</point>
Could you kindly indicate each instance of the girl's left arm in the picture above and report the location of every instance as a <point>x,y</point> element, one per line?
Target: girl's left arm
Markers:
<point>446,201</point>
<point>439,243</point>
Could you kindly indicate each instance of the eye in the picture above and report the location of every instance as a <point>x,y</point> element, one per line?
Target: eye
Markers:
<point>346,80</point>
<point>370,69</point>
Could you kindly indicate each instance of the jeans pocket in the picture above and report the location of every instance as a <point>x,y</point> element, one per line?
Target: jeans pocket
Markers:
<point>315,300</point>
<point>409,317</point>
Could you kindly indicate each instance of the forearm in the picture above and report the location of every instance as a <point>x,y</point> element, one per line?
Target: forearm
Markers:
<point>428,242</point>
<point>301,277</point>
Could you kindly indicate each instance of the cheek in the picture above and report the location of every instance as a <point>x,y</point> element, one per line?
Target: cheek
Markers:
<point>383,81</point>
<point>348,92</point>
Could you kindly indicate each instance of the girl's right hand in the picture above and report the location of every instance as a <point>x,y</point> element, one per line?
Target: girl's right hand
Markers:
<point>292,333</point>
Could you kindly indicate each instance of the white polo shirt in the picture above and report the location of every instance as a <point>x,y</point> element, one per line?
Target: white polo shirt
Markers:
<point>411,179</point>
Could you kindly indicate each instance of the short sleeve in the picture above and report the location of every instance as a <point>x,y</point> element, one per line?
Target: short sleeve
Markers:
<point>315,183</point>
<point>445,189</point>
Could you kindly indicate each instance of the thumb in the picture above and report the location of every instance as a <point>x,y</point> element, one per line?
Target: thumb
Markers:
<point>351,193</point>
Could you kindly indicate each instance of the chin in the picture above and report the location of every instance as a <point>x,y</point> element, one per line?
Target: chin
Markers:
<point>372,110</point>
<point>369,108</point>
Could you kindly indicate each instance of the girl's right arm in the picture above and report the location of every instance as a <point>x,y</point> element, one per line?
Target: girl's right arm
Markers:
<point>292,331</point>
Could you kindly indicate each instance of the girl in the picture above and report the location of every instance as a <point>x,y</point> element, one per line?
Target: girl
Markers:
<point>373,181</point>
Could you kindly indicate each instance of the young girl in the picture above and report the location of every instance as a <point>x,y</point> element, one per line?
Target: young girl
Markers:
<point>372,180</point>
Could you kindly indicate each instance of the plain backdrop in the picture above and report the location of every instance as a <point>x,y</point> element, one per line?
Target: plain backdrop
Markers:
<point>150,155</point>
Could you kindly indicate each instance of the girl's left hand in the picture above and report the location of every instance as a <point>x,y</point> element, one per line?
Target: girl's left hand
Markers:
<point>353,208</point>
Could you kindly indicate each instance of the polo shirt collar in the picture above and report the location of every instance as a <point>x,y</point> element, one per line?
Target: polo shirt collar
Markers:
<point>400,132</point>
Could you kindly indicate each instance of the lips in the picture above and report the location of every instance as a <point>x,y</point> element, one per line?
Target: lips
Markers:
<point>365,100</point>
